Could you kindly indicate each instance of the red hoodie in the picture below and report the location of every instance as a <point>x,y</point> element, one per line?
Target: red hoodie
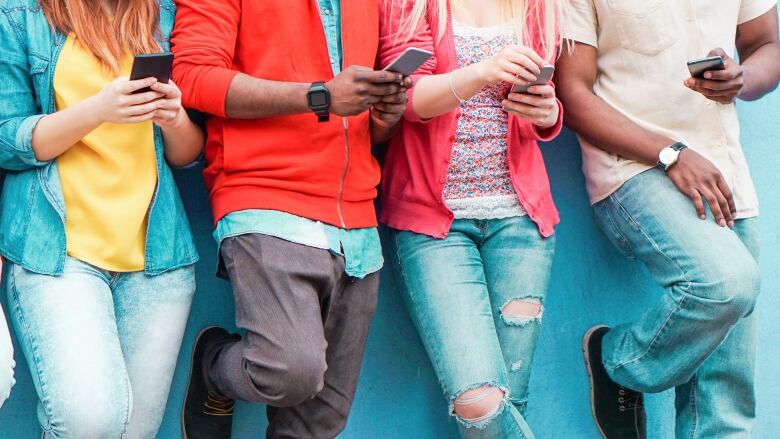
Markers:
<point>320,171</point>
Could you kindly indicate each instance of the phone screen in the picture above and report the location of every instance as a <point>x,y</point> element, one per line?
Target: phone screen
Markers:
<point>157,65</point>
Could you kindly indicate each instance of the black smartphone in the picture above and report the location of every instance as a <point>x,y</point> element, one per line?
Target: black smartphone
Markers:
<point>544,77</point>
<point>409,61</point>
<point>697,67</point>
<point>158,65</point>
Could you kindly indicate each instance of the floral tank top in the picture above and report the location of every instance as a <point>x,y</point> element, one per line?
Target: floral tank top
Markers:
<point>479,185</point>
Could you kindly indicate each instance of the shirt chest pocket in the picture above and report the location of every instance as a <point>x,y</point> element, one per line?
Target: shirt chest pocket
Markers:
<point>646,27</point>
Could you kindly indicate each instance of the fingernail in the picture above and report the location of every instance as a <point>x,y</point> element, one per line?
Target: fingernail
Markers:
<point>722,223</point>
<point>702,217</point>
<point>708,75</point>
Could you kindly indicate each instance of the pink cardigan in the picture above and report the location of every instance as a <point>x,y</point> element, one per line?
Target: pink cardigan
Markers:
<point>417,162</point>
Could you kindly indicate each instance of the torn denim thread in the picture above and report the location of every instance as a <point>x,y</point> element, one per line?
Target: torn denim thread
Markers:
<point>482,422</point>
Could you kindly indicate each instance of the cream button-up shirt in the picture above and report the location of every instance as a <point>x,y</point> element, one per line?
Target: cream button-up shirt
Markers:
<point>643,47</point>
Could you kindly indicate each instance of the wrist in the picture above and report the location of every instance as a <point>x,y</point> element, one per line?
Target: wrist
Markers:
<point>181,121</point>
<point>94,114</point>
<point>477,72</point>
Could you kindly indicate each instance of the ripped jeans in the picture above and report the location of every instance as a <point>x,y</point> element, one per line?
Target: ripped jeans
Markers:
<point>459,291</point>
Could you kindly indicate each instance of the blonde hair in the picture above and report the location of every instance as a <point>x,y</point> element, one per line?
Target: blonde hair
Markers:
<point>533,17</point>
<point>134,28</point>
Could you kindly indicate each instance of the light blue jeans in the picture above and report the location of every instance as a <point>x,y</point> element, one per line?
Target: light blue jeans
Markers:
<point>7,363</point>
<point>102,347</point>
<point>700,337</point>
<point>456,289</point>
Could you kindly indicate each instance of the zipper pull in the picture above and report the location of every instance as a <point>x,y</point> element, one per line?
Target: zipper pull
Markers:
<point>345,122</point>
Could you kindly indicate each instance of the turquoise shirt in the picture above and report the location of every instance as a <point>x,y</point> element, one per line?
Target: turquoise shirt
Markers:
<point>361,248</point>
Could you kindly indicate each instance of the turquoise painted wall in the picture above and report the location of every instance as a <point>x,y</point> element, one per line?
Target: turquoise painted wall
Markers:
<point>398,396</point>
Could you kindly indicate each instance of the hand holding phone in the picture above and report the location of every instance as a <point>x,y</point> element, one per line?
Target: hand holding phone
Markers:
<point>543,78</point>
<point>718,77</point>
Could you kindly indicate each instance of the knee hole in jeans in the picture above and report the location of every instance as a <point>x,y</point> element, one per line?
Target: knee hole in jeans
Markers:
<point>478,407</point>
<point>522,311</point>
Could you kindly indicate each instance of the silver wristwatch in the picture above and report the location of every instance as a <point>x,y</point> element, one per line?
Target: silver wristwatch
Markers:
<point>669,155</point>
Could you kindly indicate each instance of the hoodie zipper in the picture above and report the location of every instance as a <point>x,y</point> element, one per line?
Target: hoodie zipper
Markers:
<point>343,179</point>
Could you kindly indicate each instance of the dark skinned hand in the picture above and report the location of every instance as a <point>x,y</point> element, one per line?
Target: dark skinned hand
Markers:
<point>388,112</point>
<point>721,86</point>
<point>700,180</point>
<point>356,89</point>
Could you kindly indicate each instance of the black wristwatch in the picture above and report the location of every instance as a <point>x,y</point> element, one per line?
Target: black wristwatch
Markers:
<point>669,155</point>
<point>319,101</point>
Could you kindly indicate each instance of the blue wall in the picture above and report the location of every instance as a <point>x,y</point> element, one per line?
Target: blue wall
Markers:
<point>398,396</point>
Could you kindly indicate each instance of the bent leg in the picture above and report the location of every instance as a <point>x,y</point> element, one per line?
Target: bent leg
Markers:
<point>712,283</point>
<point>444,288</point>
<point>517,263</point>
<point>348,312</point>
<point>719,401</point>
<point>67,331</point>
<point>151,315</point>
<point>277,287</point>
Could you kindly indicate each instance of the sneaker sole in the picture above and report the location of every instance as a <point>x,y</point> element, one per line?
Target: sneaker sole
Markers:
<point>189,380</point>
<point>586,355</point>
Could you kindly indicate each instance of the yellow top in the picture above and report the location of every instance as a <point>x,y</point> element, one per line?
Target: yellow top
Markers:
<point>109,177</point>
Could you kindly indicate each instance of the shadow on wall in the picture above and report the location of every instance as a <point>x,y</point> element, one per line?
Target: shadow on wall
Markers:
<point>399,397</point>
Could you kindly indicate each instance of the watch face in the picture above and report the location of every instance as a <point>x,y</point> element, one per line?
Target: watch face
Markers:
<point>318,99</point>
<point>668,156</point>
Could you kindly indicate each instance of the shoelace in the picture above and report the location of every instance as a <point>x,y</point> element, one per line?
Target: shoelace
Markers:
<point>216,406</point>
<point>630,400</point>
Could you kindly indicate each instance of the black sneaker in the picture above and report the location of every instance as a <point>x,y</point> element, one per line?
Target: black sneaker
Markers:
<point>206,415</point>
<point>619,412</point>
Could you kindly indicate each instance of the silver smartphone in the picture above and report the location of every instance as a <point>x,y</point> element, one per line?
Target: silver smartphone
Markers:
<point>545,75</point>
<point>697,67</point>
<point>409,61</point>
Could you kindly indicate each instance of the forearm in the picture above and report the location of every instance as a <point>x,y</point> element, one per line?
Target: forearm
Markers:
<point>598,122</point>
<point>254,98</point>
<point>57,132</point>
<point>433,95</point>
<point>183,142</point>
<point>761,72</point>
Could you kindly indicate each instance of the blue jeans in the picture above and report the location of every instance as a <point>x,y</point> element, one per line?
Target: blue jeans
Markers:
<point>456,290</point>
<point>7,363</point>
<point>700,337</point>
<point>102,347</point>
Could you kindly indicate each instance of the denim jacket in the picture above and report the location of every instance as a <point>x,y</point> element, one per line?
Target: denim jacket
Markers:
<point>32,206</point>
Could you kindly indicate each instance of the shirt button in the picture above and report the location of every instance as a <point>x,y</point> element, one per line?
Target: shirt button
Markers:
<point>326,11</point>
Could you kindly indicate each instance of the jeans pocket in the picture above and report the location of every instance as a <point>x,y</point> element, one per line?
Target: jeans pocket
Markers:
<point>646,27</point>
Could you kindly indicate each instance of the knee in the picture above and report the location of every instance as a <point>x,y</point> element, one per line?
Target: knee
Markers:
<point>478,407</point>
<point>90,420</point>
<point>522,311</point>
<point>736,288</point>
<point>298,379</point>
